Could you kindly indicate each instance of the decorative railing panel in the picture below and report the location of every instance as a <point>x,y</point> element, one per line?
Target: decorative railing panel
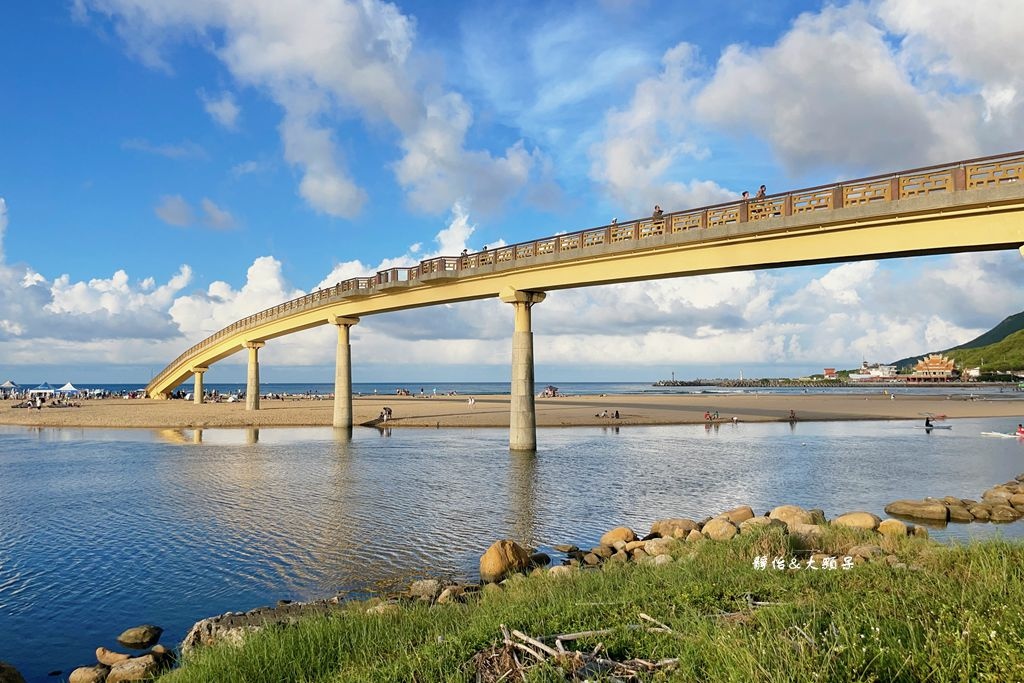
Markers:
<point>687,221</point>
<point>802,202</point>
<point>569,242</point>
<point>726,215</point>
<point>924,184</point>
<point>866,193</point>
<point>646,229</point>
<point>620,233</point>
<point>765,208</point>
<point>594,238</point>
<point>995,173</point>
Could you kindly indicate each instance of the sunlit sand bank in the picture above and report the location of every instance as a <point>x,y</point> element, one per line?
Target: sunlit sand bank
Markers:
<point>493,411</point>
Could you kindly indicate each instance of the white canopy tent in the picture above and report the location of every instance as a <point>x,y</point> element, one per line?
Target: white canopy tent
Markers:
<point>69,389</point>
<point>43,389</point>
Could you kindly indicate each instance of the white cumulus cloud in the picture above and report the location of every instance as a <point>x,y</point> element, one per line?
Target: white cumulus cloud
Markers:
<point>223,109</point>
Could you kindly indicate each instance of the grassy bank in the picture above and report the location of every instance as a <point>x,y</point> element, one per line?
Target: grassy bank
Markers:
<point>951,614</point>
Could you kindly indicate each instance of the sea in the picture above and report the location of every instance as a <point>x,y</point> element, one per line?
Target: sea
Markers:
<point>104,529</point>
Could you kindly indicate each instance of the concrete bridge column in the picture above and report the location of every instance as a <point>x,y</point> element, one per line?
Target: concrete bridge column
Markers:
<point>522,434</point>
<point>343,374</point>
<point>197,392</point>
<point>252,385</point>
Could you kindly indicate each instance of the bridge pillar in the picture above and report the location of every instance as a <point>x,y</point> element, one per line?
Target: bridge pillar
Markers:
<point>343,374</point>
<point>252,385</point>
<point>522,434</point>
<point>197,392</point>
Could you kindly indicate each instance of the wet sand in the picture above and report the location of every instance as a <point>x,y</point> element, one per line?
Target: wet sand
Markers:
<point>493,411</point>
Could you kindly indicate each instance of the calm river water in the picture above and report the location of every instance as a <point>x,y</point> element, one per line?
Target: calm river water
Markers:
<point>105,529</point>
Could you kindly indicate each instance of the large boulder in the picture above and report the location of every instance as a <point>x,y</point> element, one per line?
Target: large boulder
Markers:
<point>501,559</point>
<point>660,546</point>
<point>1004,513</point>
<point>675,527</point>
<point>919,509</point>
<point>980,512</point>
<point>739,514</point>
<point>1017,500</point>
<point>748,525</point>
<point>619,533</point>
<point>135,669</point>
<point>858,520</point>
<point>140,637</point>
<point>997,494</point>
<point>791,514</point>
<point>720,529</point>
<point>89,674</point>
<point>8,674</point>
<point>109,657</point>
<point>425,589</point>
<point>893,527</point>
<point>958,513</point>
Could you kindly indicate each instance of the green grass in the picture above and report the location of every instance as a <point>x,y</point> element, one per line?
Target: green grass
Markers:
<point>956,617</point>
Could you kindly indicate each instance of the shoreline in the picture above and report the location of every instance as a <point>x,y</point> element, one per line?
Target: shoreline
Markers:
<point>493,411</point>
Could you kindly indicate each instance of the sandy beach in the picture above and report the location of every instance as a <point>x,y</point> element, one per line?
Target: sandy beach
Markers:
<point>493,411</point>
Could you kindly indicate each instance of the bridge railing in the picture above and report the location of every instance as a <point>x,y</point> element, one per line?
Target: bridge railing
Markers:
<point>966,175</point>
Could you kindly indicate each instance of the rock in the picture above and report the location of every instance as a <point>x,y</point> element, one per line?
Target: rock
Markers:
<point>640,553</point>
<point>817,516</point>
<point>749,525</point>
<point>540,560</point>
<point>919,532</point>
<point>620,556</point>
<point>603,551</point>
<point>958,513</point>
<point>893,528</point>
<point>791,514</point>
<point>619,545</point>
<point>233,627</point>
<point>425,589</point>
<point>720,530</point>
<point>591,559</point>
<point>619,533</point>
<point>134,669</point>
<point>565,548</point>
<point>561,571</point>
<point>858,520</point>
<point>450,595</point>
<point>920,509</point>
<point>88,674</point>
<point>659,546</point>
<point>952,500</point>
<point>1003,513</point>
<point>738,514</point>
<point>633,545</point>
<point>673,527</point>
<point>1020,477</point>
<point>488,588</point>
<point>807,532</point>
<point>867,551</point>
<point>980,512</point>
<point>8,674</point>
<point>1017,499</point>
<point>109,657</point>
<point>140,637</point>
<point>662,560</point>
<point>162,652</point>
<point>501,559</point>
<point>997,494</point>
<point>694,535</point>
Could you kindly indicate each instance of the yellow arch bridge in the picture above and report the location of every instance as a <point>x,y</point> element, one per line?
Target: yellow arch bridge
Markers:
<point>973,205</point>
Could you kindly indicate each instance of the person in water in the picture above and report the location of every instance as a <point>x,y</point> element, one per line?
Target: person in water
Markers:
<point>928,422</point>
<point>1020,429</point>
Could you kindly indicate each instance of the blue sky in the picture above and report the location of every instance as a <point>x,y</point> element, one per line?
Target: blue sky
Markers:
<point>168,168</point>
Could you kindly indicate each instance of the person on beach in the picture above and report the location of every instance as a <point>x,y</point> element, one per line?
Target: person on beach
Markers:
<point>603,413</point>
<point>616,415</point>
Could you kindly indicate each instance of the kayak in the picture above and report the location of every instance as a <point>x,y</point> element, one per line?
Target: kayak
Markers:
<point>1002,435</point>
<point>934,427</point>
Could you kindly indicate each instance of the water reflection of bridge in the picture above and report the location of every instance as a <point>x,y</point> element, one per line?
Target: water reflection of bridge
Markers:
<point>971,205</point>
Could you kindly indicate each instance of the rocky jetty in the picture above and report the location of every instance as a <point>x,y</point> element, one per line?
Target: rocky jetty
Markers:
<point>116,667</point>
<point>8,674</point>
<point>1001,503</point>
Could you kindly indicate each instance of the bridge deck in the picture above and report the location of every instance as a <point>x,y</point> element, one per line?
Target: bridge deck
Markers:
<point>965,206</point>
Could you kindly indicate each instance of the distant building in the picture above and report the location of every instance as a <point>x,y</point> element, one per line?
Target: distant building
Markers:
<point>971,373</point>
<point>873,372</point>
<point>830,373</point>
<point>933,368</point>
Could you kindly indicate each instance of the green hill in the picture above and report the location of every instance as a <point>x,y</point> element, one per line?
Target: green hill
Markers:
<point>1007,354</point>
<point>1003,331</point>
